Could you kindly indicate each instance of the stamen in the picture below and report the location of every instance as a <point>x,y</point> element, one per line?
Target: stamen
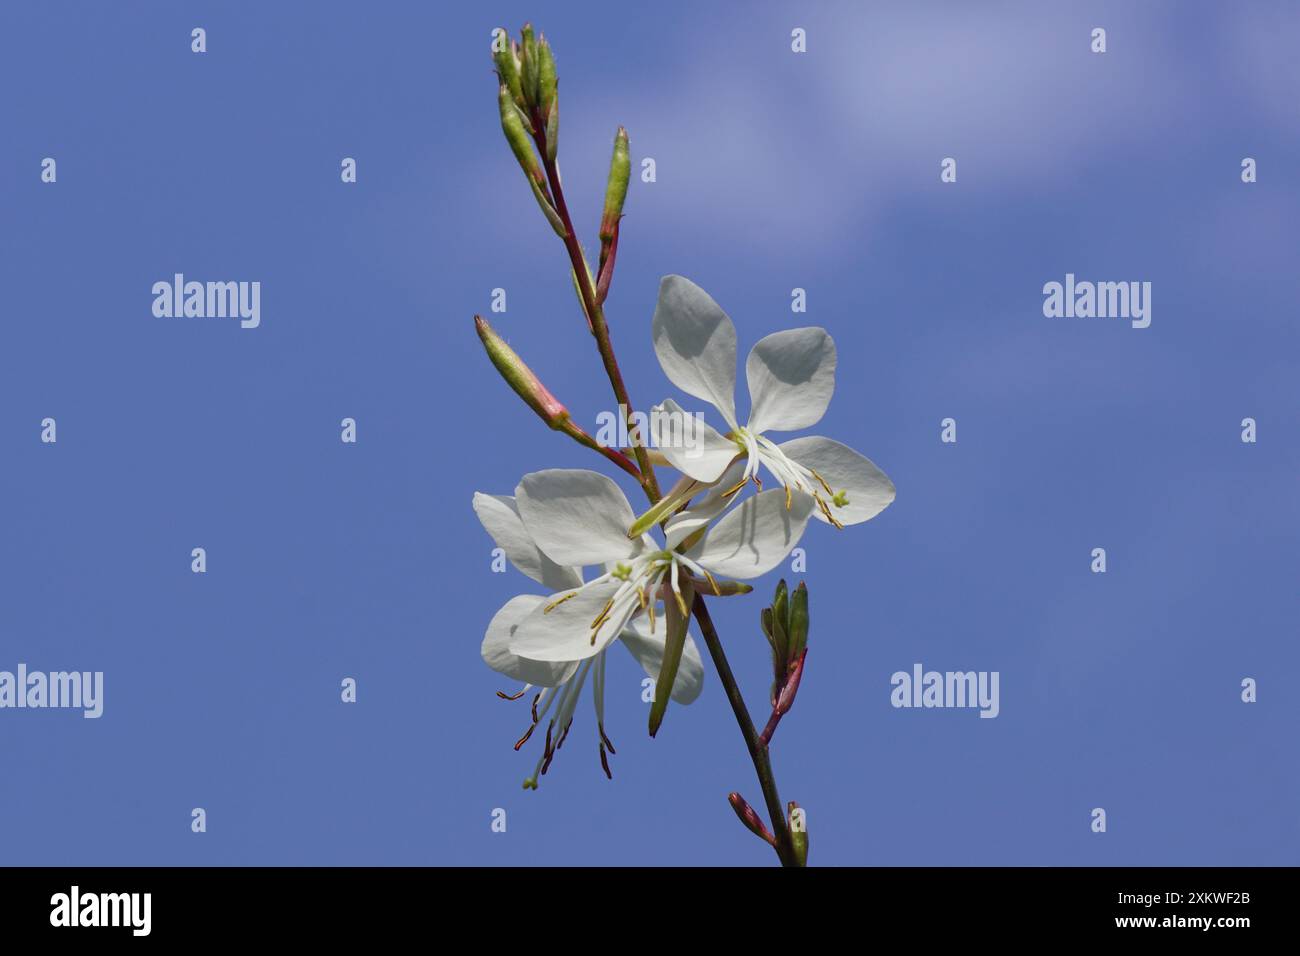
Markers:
<point>604,763</point>
<point>505,696</point>
<point>677,593</point>
<point>556,603</point>
<point>600,618</point>
<point>535,700</point>
<point>524,739</point>
<point>712,583</point>
<point>605,740</point>
<point>825,509</point>
<point>821,481</point>
<point>736,487</point>
<point>681,604</point>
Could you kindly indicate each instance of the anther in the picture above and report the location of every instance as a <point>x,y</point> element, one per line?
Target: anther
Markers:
<point>524,739</point>
<point>556,603</point>
<point>600,618</point>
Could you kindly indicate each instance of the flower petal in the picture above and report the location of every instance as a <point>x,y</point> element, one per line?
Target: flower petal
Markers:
<point>690,444</point>
<point>868,489</point>
<point>696,344</point>
<point>564,632</point>
<point>754,538</point>
<point>648,649</point>
<point>496,649</point>
<point>577,517</point>
<point>500,516</point>
<point>791,378</point>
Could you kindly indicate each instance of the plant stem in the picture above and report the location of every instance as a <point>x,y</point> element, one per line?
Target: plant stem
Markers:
<point>594,309</point>
<point>757,749</point>
<point>596,317</point>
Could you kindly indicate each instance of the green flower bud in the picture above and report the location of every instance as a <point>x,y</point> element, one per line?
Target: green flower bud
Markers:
<point>798,834</point>
<point>781,608</point>
<point>553,131</point>
<point>546,81</point>
<point>520,377</point>
<point>620,168</point>
<point>530,72</point>
<point>515,125</point>
<point>798,623</point>
<point>507,63</point>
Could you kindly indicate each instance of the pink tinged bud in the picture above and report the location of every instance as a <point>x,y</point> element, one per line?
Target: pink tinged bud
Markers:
<point>750,819</point>
<point>520,377</point>
<point>785,699</point>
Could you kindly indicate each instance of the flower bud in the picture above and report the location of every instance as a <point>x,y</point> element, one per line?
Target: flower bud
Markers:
<point>515,125</point>
<point>553,131</point>
<point>529,67</point>
<point>507,64</point>
<point>790,687</point>
<point>620,168</point>
<point>781,617</point>
<point>798,833</point>
<point>753,823</point>
<point>798,623</point>
<point>546,81</point>
<point>520,377</point>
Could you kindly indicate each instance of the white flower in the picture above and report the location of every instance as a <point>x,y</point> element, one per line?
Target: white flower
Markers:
<point>791,377</point>
<point>561,682</point>
<point>581,518</point>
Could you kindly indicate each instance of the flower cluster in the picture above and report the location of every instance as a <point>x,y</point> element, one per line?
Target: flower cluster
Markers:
<point>701,539</point>
<point>648,576</point>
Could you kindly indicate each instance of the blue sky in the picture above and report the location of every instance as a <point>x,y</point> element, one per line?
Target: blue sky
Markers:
<point>775,170</point>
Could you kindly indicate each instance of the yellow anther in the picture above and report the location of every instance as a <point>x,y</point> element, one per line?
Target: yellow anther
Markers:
<point>556,603</point>
<point>600,618</point>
